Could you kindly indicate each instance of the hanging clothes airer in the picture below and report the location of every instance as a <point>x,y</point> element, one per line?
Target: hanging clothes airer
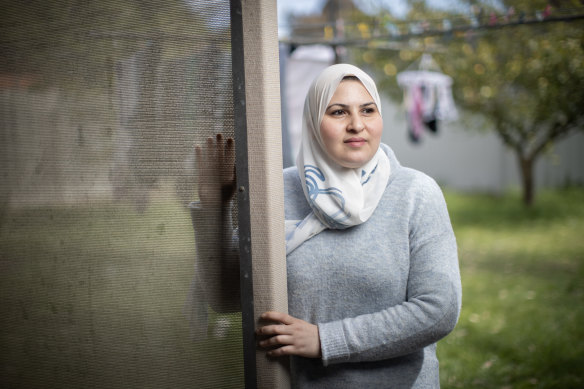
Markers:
<point>427,96</point>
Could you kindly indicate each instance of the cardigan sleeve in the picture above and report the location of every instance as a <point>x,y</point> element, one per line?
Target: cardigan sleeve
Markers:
<point>432,306</point>
<point>217,262</point>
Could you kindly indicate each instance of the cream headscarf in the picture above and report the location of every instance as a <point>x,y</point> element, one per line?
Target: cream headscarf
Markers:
<point>339,197</point>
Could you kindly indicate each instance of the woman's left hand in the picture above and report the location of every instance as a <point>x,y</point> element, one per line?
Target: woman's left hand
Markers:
<point>291,337</point>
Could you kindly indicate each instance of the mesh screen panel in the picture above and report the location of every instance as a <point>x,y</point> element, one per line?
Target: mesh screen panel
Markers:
<point>101,104</point>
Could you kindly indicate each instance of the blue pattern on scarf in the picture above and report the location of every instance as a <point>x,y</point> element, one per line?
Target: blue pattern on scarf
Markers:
<point>312,175</point>
<point>370,175</point>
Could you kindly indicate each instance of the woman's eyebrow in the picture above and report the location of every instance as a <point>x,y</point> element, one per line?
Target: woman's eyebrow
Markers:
<point>337,104</point>
<point>346,106</point>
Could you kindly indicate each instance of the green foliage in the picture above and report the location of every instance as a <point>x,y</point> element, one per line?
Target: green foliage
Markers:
<point>527,79</point>
<point>522,271</point>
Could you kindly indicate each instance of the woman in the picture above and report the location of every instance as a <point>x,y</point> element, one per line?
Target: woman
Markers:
<point>373,279</point>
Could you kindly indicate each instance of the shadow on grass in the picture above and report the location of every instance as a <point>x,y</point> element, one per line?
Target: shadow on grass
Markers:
<point>503,211</point>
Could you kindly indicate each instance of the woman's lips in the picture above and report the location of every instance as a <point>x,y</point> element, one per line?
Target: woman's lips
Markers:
<point>355,142</point>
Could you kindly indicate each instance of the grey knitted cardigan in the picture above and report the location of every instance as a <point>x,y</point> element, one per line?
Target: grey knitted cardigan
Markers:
<point>382,293</point>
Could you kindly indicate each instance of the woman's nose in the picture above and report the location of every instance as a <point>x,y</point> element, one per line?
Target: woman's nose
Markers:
<point>356,124</point>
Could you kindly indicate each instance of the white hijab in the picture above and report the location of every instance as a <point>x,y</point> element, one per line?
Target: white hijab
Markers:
<point>339,197</point>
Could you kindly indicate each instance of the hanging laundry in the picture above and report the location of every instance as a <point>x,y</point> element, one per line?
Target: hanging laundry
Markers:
<point>427,97</point>
<point>413,97</point>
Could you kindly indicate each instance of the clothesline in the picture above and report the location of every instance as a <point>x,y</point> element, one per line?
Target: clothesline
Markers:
<point>382,29</point>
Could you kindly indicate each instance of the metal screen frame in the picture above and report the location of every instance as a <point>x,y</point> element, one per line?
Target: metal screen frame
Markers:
<point>240,122</point>
<point>258,143</point>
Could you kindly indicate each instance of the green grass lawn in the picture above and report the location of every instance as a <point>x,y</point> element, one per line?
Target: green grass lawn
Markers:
<point>93,296</point>
<point>523,293</point>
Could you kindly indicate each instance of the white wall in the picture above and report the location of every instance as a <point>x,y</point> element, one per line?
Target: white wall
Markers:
<point>464,157</point>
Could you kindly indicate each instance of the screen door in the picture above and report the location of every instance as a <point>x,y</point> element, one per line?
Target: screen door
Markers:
<point>101,106</point>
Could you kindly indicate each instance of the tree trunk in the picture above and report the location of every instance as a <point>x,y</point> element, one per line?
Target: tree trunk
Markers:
<point>527,179</point>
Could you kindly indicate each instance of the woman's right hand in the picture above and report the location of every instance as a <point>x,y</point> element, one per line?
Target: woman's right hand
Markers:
<point>216,171</point>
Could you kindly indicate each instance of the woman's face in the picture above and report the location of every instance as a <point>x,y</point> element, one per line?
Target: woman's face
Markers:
<point>351,126</point>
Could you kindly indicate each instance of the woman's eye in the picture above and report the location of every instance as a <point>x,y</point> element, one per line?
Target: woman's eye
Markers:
<point>337,112</point>
<point>369,110</point>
